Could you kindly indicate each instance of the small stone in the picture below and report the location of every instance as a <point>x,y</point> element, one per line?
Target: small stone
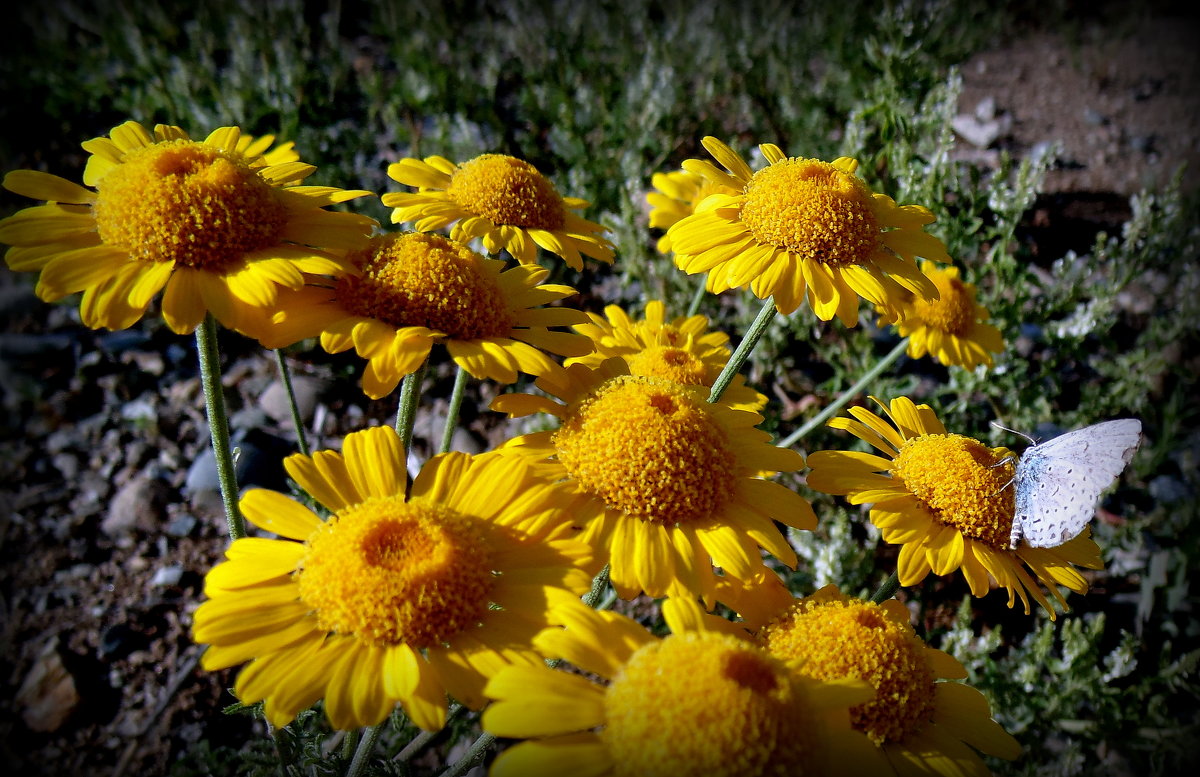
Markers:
<point>139,504</point>
<point>249,417</point>
<point>140,412</point>
<point>979,133</point>
<point>985,109</point>
<point>149,362</point>
<point>274,400</point>
<point>167,576</point>
<point>181,526</point>
<point>47,695</point>
<point>67,464</point>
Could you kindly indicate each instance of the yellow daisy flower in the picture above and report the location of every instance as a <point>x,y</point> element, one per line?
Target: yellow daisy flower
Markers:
<point>682,350</point>
<point>501,199</point>
<point>414,289</point>
<point>950,328</point>
<point>677,195</point>
<point>921,725</point>
<point>803,226</point>
<point>946,499</point>
<point>393,599</point>
<point>219,224</point>
<point>669,482</point>
<point>696,703</point>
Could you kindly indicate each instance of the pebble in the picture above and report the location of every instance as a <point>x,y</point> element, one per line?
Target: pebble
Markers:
<point>47,695</point>
<point>980,133</point>
<point>181,526</point>
<point>140,412</point>
<point>985,109</point>
<point>149,362</point>
<point>167,576</point>
<point>259,462</point>
<point>139,504</point>
<point>67,464</point>
<point>308,390</point>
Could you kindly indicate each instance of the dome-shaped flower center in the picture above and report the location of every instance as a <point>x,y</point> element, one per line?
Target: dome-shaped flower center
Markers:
<point>420,279</point>
<point>834,640</point>
<point>184,202</point>
<point>673,364</point>
<point>957,479</point>
<point>649,449</point>
<point>507,190</point>
<point>389,572</point>
<point>954,312</point>
<point>813,210</point>
<point>708,705</point>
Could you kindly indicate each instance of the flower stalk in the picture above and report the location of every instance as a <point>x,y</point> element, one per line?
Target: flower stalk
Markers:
<point>697,298</point>
<point>456,398</point>
<point>753,334</point>
<point>285,375</point>
<point>887,589</point>
<point>366,746</point>
<point>218,424</point>
<point>410,397</point>
<point>847,395</point>
<point>472,756</point>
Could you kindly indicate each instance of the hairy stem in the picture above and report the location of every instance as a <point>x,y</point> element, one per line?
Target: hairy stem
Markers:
<point>846,396</point>
<point>285,375</point>
<point>410,397</point>
<point>753,334</point>
<point>456,398</point>
<point>218,424</point>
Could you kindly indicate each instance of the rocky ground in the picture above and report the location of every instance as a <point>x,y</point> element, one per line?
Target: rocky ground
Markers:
<point>109,515</point>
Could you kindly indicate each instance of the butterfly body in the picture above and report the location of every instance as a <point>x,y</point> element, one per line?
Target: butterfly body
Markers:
<point>1058,482</point>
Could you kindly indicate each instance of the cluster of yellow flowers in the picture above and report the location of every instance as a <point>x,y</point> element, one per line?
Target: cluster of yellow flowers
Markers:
<point>462,582</point>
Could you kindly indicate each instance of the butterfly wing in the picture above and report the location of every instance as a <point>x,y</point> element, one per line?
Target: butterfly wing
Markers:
<point>1059,481</point>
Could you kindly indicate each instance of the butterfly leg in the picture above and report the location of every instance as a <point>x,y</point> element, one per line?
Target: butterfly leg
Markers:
<point>1001,463</point>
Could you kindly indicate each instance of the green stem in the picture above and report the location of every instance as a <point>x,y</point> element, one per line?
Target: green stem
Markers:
<point>456,398</point>
<point>366,746</point>
<point>285,375</point>
<point>410,397</point>
<point>846,395</point>
<point>218,424</point>
<point>698,297</point>
<point>887,589</point>
<point>753,334</point>
<point>422,740</point>
<point>473,756</point>
<point>350,742</point>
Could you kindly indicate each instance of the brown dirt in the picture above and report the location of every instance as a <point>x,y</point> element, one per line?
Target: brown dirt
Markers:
<point>1124,108</point>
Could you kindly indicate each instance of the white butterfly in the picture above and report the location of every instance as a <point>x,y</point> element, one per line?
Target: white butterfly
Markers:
<point>1059,481</point>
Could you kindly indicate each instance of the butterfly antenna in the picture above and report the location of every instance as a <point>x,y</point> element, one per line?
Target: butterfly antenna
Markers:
<point>1032,441</point>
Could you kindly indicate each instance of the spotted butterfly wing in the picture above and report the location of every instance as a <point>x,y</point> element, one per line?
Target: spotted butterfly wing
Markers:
<point>1058,482</point>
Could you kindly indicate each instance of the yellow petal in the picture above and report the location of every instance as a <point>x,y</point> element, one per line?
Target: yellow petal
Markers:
<point>280,514</point>
<point>579,755</point>
<point>537,701</point>
<point>44,186</point>
<point>375,461</point>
